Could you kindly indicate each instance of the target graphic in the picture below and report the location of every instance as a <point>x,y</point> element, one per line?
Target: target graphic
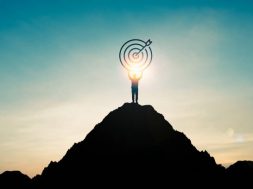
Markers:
<point>136,54</point>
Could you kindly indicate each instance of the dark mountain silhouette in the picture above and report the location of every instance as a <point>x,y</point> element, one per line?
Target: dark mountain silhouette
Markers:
<point>240,173</point>
<point>133,146</point>
<point>14,179</point>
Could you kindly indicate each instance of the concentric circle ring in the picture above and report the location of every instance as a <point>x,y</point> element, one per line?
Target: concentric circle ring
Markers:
<point>135,54</point>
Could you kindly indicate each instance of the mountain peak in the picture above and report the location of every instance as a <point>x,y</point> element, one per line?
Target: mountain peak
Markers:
<point>14,179</point>
<point>241,169</point>
<point>134,144</point>
<point>133,139</point>
<point>135,109</point>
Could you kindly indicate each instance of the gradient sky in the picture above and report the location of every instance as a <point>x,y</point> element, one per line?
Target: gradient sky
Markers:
<point>60,73</point>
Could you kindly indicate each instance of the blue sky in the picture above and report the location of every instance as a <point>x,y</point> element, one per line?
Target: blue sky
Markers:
<point>60,73</point>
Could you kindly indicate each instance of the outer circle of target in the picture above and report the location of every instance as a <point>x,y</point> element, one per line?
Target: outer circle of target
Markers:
<point>125,62</point>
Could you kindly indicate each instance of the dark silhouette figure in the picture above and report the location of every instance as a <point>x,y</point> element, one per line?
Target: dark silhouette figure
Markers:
<point>134,77</point>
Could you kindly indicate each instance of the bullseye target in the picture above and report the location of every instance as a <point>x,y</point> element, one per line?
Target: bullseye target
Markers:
<point>136,54</point>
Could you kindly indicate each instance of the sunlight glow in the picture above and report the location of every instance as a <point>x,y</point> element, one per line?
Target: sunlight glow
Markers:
<point>135,74</point>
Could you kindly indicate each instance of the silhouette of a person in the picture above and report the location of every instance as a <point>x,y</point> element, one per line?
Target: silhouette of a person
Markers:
<point>134,77</point>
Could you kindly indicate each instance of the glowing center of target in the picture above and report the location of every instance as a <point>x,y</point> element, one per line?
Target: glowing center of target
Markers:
<point>135,55</point>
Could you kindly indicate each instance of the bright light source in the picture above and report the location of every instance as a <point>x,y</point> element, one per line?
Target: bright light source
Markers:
<point>134,74</point>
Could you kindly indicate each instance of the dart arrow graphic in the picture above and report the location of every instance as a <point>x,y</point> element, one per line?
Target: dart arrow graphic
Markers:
<point>146,45</point>
<point>136,54</point>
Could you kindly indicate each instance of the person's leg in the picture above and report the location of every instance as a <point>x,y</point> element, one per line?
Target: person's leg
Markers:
<point>132,95</point>
<point>136,95</point>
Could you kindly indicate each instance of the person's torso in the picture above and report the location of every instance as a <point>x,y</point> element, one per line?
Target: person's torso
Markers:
<point>135,83</point>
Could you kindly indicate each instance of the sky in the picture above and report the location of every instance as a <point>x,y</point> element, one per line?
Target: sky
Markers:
<point>60,73</point>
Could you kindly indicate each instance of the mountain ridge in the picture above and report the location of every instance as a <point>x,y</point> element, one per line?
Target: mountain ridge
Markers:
<point>130,138</point>
<point>131,142</point>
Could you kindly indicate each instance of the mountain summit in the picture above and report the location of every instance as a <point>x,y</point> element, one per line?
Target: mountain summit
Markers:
<point>134,146</point>
<point>131,143</point>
